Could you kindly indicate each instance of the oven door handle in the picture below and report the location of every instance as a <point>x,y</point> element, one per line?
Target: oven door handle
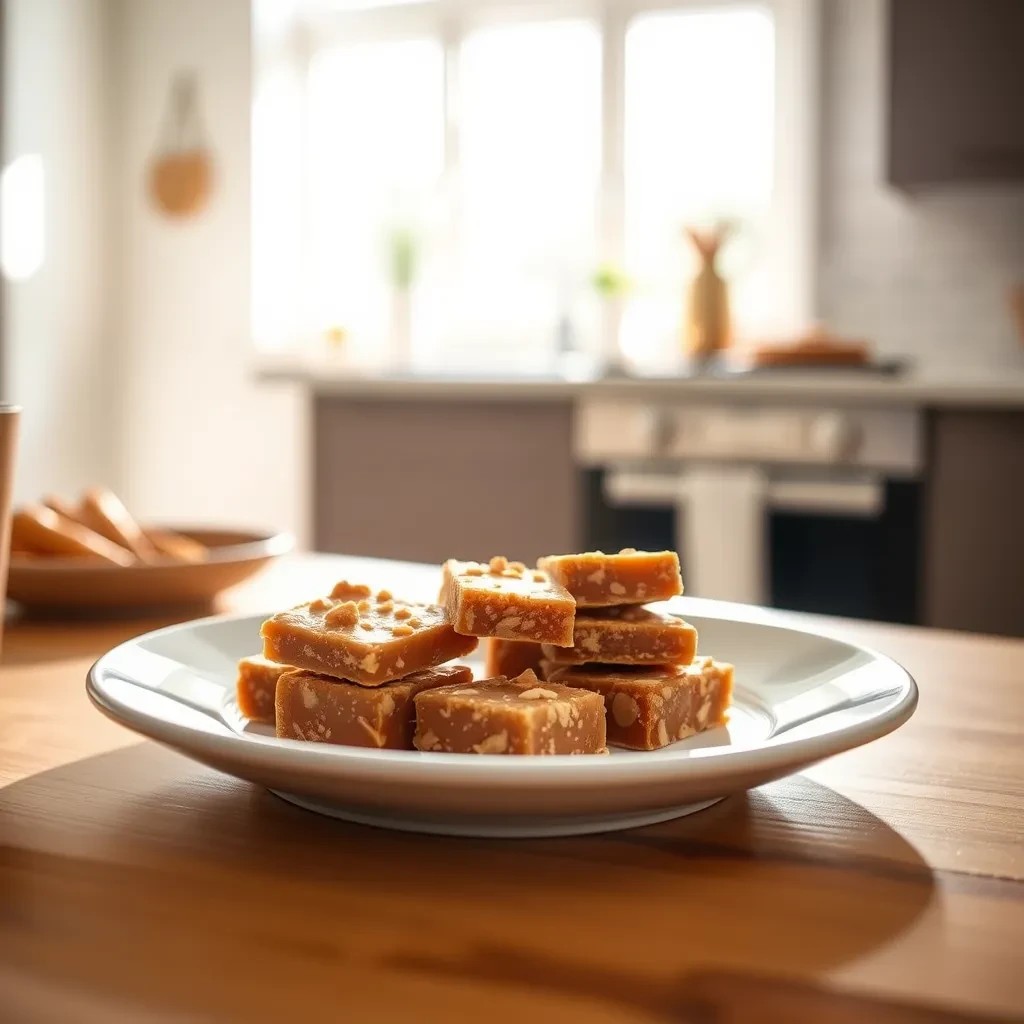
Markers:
<point>861,496</point>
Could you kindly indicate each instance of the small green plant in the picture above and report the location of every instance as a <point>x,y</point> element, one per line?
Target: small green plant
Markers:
<point>610,281</point>
<point>403,257</point>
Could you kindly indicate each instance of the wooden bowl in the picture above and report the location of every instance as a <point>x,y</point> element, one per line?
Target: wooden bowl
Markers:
<point>38,581</point>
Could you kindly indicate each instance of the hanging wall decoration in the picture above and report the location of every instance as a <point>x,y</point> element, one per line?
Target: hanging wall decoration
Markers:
<point>181,173</point>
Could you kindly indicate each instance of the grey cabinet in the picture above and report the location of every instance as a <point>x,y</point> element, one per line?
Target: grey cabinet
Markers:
<point>425,480</point>
<point>956,102</point>
<point>974,515</point>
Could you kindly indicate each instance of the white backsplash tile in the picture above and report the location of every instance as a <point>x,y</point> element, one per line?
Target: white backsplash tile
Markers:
<point>920,275</point>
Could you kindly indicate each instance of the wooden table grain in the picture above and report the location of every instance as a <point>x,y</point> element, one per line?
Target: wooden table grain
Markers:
<point>136,885</point>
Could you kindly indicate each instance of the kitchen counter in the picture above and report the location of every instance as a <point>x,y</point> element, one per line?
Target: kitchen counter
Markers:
<point>947,390</point>
<point>958,438</point>
<point>139,885</point>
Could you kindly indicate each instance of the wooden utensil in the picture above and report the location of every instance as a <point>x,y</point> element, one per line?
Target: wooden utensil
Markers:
<point>38,528</point>
<point>103,511</point>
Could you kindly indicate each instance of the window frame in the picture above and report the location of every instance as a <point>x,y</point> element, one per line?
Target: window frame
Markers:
<point>291,45</point>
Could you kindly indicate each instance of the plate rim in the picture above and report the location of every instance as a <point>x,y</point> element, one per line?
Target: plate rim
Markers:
<point>773,754</point>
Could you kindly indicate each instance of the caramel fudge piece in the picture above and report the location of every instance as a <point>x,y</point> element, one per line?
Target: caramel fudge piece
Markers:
<point>597,580</point>
<point>256,685</point>
<point>510,716</point>
<point>511,657</point>
<point>327,710</point>
<point>364,639</point>
<point>652,707</point>
<point>627,635</point>
<point>507,600</point>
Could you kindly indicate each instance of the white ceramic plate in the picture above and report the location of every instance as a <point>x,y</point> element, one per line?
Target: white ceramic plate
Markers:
<point>800,697</point>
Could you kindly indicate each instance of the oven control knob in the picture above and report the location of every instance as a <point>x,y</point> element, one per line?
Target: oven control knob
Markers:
<point>833,437</point>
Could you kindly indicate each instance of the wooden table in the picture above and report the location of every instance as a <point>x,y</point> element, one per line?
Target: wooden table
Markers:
<point>136,885</point>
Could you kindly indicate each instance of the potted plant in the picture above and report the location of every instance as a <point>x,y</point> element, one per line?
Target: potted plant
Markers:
<point>612,285</point>
<point>403,264</point>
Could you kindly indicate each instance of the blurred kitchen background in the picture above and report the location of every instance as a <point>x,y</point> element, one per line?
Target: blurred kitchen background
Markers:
<point>420,279</point>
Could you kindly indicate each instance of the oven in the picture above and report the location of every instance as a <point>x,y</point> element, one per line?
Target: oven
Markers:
<point>801,507</point>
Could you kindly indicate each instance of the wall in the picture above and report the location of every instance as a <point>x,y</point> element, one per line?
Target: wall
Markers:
<point>202,441</point>
<point>922,275</point>
<point>57,341</point>
<point>130,348</point>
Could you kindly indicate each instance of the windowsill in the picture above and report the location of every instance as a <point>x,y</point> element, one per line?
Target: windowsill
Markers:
<point>574,366</point>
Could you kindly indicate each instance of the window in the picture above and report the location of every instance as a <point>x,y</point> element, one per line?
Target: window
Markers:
<point>699,143</point>
<point>457,171</point>
<point>529,167</point>
<point>375,159</point>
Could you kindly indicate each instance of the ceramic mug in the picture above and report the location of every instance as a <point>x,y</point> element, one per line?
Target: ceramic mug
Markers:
<point>10,416</point>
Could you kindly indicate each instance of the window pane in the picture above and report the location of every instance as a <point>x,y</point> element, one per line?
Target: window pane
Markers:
<point>276,206</point>
<point>699,145</point>
<point>530,138</point>
<point>375,156</point>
